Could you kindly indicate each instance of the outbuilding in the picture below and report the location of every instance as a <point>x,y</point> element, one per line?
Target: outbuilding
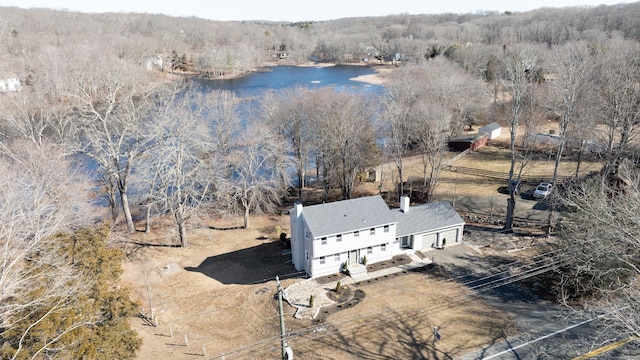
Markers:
<point>471,142</point>
<point>492,130</point>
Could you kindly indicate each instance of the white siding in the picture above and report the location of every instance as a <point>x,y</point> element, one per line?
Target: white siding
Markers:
<point>377,254</point>
<point>349,242</point>
<point>330,266</point>
<point>296,221</point>
<point>451,235</point>
<point>428,241</point>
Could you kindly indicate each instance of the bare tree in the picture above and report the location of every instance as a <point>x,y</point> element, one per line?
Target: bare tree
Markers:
<point>517,66</point>
<point>40,196</point>
<point>115,130</point>
<point>599,248</point>
<point>462,93</point>
<point>258,164</point>
<point>394,126</point>
<point>618,91</point>
<point>438,85</point>
<point>567,94</point>
<point>187,172</point>
<point>345,137</point>
<point>289,113</point>
<point>431,129</point>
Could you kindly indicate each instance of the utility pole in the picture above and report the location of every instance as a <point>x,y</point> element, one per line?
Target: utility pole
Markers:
<point>283,344</point>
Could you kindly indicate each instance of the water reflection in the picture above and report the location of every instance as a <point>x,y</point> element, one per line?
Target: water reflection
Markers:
<point>282,77</point>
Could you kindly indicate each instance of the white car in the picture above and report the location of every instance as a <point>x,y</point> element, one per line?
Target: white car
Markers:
<point>542,191</point>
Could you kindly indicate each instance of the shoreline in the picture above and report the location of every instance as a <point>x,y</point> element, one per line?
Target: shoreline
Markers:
<point>378,78</point>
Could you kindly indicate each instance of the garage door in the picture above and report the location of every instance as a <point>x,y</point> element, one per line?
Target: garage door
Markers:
<point>428,241</point>
<point>450,235</point>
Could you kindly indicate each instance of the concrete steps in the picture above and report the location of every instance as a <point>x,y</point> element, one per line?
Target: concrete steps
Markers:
<point>357,271</point>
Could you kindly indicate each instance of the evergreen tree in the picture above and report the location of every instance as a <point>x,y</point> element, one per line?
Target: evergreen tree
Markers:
<point>90,319</point>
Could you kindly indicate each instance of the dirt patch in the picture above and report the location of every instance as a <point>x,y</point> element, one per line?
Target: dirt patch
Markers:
<point>330,278</point>
<point>340,295</point>
<point>347,299</point>
<point>394,262</point>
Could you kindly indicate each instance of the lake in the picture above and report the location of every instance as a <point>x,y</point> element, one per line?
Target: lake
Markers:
<point>282,77</point>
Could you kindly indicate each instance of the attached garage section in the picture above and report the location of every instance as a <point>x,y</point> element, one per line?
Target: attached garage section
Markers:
<point>429,225</point>
<point>428,240</point>
<point>435,239</point>
<point>450,235</point>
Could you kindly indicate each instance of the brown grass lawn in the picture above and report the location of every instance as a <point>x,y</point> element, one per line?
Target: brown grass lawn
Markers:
<point>487,158</point>
<point>219,292</point>
<point>481,195</point>
<point>213,293</point>
<point>396,320</point>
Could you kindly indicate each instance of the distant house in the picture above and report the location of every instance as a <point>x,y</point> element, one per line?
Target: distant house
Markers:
<point>326,236</point>
<point>155,63</point>
<point>9,83</point>
<point>492,130</point>
<point>471,142</point>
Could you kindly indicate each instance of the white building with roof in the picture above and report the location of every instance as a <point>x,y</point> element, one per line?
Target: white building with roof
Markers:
<point>326,236</point>
<point>9,83</point>
<point>492,130</point>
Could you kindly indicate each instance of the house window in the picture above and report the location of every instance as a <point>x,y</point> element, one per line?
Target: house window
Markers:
<point>336,257</point>
<point>372,231</point>
<point>339,237</point>
<point>383,247</point>
<point>356,233</point>
<point>323,241</point>
<point>306,234</point>
<point>369,250</point>
<point>322,261</point>
<point>306,253</point>
<point>386,228</point>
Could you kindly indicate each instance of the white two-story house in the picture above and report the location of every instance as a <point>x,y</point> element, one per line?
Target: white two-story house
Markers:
<point>326,236</point>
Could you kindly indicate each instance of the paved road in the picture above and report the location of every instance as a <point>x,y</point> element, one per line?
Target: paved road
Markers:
<point>544,329</point>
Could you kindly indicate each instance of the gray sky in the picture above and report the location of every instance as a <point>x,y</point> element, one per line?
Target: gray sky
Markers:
<point>297,10</point>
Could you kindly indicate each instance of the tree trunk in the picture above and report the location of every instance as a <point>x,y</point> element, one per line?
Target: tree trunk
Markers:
<point>182,232</point>
<point>511,205</point>
<point>325,182</point>
<point>127,211</point>
<point>400,184</point>
<point>113,204</point>
<point>246,217</point>
<point>147,226</point>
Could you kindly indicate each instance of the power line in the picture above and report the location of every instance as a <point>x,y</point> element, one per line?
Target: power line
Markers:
<point>505,281</point>
<point>524,274</point>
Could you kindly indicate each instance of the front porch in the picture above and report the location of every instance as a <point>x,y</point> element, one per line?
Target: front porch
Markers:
<point>398,263</point>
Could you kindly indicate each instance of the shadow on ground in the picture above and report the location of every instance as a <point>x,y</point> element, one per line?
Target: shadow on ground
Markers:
<point>253,265</point>
<point>488,275</point>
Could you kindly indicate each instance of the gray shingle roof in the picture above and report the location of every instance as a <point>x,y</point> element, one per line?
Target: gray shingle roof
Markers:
<point>426,217</point>
<point>489,128</point>
<point>348,215</point>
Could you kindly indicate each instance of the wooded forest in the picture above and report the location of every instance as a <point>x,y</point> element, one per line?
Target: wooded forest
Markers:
<point>107,134</point>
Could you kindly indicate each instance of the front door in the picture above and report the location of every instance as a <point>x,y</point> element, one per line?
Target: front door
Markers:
<point>407,242</point>
<point>353,257</point>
